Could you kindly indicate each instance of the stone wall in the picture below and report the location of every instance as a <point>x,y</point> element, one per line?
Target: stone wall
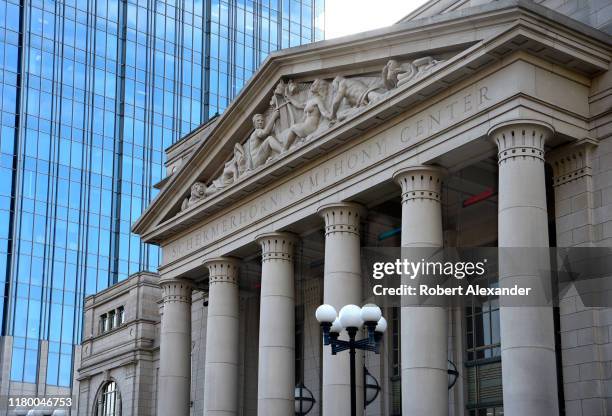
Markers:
<point>313,297</point>
<point>595,13</point>
<point>583,211</point>
<point>198,342</point>
<point>127,354</point>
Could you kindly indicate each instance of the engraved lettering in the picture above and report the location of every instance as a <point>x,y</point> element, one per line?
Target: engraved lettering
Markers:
<point>483,95</point>
<point>325,174</point>
<point>314,181</point>
<point>405,135</point>
<point>352,161</point>
<point>467,103</point>
<point>419,128</point>
<point>365,154</point>
<point>253,211</point>
<point>451,108</point>
<point>339,167</point>
<point>441,115</point>
<point>434,118</point>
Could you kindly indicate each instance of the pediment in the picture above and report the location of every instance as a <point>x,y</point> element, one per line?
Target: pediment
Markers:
<point>302,102</point>
<point>298,113</point>
<point>295,114</point>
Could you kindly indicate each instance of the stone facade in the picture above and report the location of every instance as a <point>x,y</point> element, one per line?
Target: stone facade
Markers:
<point>594,13</point>
<point>463,125</point>
<point>127,354</point>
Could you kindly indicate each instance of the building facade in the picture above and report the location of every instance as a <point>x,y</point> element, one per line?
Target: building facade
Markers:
<point>121,325</point>
<point>465,125</point>
<point>92,92</point>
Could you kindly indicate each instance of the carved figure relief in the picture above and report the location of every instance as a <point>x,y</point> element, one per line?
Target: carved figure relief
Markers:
<point>315,115</point>
<point>198,192</point>
<point>301,111</point>
<point>395,74</point>
<point>261,146</point>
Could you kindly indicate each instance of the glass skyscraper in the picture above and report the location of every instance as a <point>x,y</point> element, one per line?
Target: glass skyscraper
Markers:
<point>91,93</point>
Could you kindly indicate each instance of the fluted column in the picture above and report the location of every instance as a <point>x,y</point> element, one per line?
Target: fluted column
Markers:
<point>175,348</point>
<point>342,285</point>
<point>276,378</point>
<point>221,367</point>
<point>529,372</point>
<point>424,330</point>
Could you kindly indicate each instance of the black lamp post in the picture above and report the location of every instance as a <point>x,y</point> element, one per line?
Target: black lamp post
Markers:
<point>351,318</point>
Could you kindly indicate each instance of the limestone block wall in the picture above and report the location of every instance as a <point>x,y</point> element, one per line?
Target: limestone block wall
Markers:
<point>312,297</point>
<point>583,211</point>
<point>379,367</point>
<point>132,383</point>
<point>456,348</point>
<point>128,354</point>
<point>595,13</point>
<point>198,342</point>
<point>249,353</point>
<point>249,345</point>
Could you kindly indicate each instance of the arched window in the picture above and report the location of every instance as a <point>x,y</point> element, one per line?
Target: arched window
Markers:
<point>109,400</point>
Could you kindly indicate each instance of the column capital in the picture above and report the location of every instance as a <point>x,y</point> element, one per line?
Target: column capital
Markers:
<point>520,138</point>
<point>420,182</point>
<point>342,217</point>
<point>277,246</point>
<point>222,270</point>
<point>572,161</point>
<point>176,290</point>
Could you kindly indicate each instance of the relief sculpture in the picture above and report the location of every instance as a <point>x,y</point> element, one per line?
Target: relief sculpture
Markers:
<point>301,111</point>
<point>316,115</point>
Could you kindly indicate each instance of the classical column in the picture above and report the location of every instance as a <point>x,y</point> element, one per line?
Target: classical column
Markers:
<point>276,378</point>
<point>221,366</point>
<point>529,373</point>
<point>175,348</point>
<point>342,285</point>
<point>424,330</point>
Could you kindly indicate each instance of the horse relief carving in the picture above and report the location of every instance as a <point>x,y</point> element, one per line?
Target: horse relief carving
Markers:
<point>299,112</point>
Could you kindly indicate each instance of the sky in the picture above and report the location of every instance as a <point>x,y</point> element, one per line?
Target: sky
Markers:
<point>344,17</point>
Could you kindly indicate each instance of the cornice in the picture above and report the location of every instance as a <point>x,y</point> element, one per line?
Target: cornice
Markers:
<point>437,11</point>
<point>121,289</point>
<point>523,26</point>
<point>93,366</point>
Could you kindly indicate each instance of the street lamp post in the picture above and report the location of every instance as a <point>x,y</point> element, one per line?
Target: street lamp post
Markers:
<point>352,318</point>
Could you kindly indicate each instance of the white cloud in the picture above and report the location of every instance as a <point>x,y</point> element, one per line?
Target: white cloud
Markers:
<point>344,17</point>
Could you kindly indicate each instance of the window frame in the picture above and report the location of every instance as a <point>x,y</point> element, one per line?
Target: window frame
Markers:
<point>474,315</point>
<point>104,393</point>
<point>102,323</point>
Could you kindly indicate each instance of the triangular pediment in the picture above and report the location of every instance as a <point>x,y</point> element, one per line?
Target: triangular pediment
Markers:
<point>303,101</point>
<point>298,112</point>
